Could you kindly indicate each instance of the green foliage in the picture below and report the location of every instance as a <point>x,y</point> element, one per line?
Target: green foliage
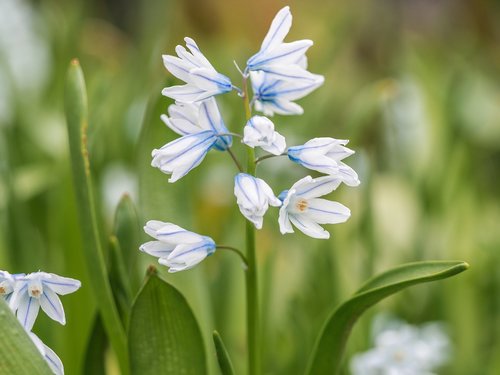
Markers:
<point>225,365</point>
<point>330,347</point>
<point>164,336</point>
<point>18,354</point>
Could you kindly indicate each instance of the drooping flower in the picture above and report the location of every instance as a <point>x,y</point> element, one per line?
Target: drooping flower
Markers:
<point>274,95</point>
<point>253,196</point>
<point>404,349</point>
<point>202,80</point>
<point>7,285</point>
<point>176,247</point>
<point>41,289</point>
<point>183,154</point>
<point>324,155</point>
<point>191,118</point>
<point>285,60</point>
<point>48,354</point>
<point>259,132</point>
<point>302,207</point>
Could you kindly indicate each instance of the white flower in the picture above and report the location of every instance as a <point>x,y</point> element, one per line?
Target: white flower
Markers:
<point>302,207</point>
<point>202,80</point>
<point>259,132</point>
<point>41,289</point>
<point>48,354</point>
<point>176,247</point>
<point>404,349</point>
<point>273,95</point>
<point>253,196</point>
<point>324,155</point>
<point>183,154</point>
<point>191,118</point>
<point>7,284</point>
<point>285,60</point>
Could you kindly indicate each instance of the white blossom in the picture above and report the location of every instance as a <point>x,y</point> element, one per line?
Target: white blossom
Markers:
<point>259,132</point>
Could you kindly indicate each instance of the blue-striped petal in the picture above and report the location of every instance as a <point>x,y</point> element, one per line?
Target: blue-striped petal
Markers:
<point>51,304</point>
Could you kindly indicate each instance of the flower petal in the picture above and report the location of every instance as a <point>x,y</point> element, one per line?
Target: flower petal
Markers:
<point>323,211</point>
<point>211,119</point>
<point>317,187</point>
<point>284,221</point>
<point>210,80</point>
<point>185,93</point>
<point>54,361</point>
<point>61,285</point>
<point>309,227</point>
<point>27,311</point>
<point>282,54</point>
<point>51,304</point>
<point>280,26</point>
<point>177,67</point>
<point>157,248</point>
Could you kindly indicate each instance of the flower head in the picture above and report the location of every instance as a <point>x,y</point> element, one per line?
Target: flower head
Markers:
<point>254,197</point>
<point>302,207</point>
<point>48,354</point>
<point>285,60</point>
<point>202,80</point>
<point>41,289</point>
<point>276,95</point>
<point>176,247</point>
<point>192,118</point>
<point>324,155</point>
<point>404,349</point>
<point>7,285</point>
<point>259,132</point>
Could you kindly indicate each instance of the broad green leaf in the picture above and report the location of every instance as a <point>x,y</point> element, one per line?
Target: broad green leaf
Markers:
<point>77,121</point>
<point>330,346</point>
<point>164,336</point>
<point>225,365</point>
<point>95,354</point>
<point>18,354</point>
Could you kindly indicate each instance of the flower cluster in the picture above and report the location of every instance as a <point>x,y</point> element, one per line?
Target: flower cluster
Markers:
<point>25,294</point>
<point>279,76</point>
<point>401,348</point>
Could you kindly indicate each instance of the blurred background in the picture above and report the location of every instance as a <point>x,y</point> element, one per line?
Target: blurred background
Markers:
<point>414,85</point>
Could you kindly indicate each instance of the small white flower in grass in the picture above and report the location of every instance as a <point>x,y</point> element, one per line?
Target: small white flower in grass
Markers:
<point>254,197</point>
<point>202,80</point>
<point>48,354</point>
<point>404,349</point>
<point>324,155</point>
<point>192,118</point>
<point>41,289</point>
<point>273,95</point>
<point>176,247</point>
<point>283,60</point>
<point>7,284</point>
<point>259,132</point>
<point>302,207</point>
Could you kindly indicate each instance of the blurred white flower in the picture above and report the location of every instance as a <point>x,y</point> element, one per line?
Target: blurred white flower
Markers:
<point>302,207</point>
<point>403,349</point>
<point>176,247</point>
<point>202,80</point>
<point>259,132</point>
<point>48,354</point>
<point>7,284</point>
<point>253,196</point>
<point>324,155</point>
<point>117,181</point>
<point>41,289</point>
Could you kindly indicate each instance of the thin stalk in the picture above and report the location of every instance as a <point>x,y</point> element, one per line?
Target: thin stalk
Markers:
<point>265,157</point>
<point>253,321</point>
<point>236,251</point>
<point>233,156</point>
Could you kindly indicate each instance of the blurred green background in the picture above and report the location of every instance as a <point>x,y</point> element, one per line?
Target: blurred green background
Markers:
<point>414,85</point>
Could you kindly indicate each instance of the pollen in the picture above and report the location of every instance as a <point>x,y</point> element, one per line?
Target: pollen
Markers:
<point>35,292</point>
<point>301,205</point>
<point>2,291</point>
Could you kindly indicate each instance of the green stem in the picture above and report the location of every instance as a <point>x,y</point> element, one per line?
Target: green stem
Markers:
<point>253,324</point>
<point>236,251</point>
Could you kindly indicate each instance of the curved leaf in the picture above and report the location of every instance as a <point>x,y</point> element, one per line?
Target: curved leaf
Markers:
<point>225,365</point>
<point>330,346</point>
<point>18,354</point>
<point>164,336</point>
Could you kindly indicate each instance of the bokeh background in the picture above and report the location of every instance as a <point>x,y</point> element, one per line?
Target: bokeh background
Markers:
<point>414,85</point>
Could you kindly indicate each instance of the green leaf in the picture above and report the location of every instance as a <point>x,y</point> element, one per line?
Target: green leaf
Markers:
<point>77,121</point>
<point>330,346</point>
<point>225,365</point>
<point>18,354</point>
<point>164,336</point>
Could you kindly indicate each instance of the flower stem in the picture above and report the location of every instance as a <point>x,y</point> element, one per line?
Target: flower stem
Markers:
<point>258,160</point>
<point>233,156</point>
<point>253,323</point>
<point>236,251</point>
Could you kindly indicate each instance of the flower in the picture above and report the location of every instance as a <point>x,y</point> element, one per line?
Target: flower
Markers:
<point>176,247</point>
<point>191,118</point>
<point>404,349</point>
<point>273,95</point>
<point>302,207</point>
<point>253,196</point>
<point>41,289</point>
<point>324,155</point>
<point>202,80</point>
<point>7,285</point>
<point>48,354</point>
<point>259,132</point>
<point>183,154</point>
<point>285,60</point>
